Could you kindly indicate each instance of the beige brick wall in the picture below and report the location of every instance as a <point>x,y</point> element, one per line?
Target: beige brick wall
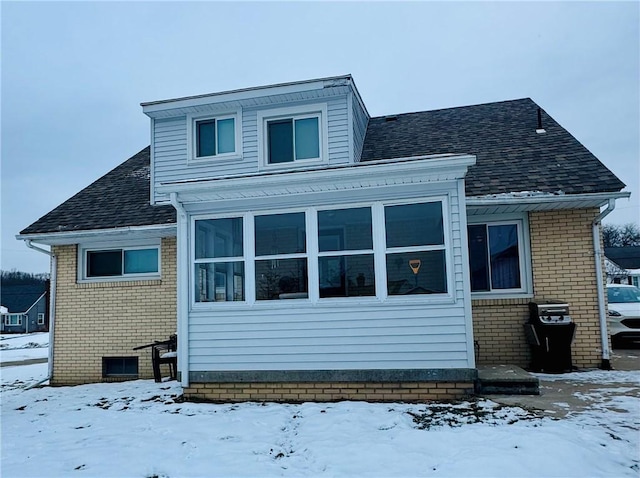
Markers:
<point>563,268</point>
<point>328,392</point>
<point>108,319</point>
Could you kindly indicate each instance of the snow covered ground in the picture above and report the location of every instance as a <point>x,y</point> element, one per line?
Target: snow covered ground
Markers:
<point>142,429</point>
<point>16,347</point>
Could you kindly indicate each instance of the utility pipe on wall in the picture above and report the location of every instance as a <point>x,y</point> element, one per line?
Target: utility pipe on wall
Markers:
<point>52,305</point>
<point>183,291</point>
<point>602,312</point>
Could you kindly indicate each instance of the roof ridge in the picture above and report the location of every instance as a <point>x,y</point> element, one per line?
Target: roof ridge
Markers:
<point>456,108</point>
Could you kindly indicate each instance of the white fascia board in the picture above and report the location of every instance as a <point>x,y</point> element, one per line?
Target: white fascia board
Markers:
<point>421,169</point>
<point>75,237</point>
<point>588,199</point>
<point>151,107</point>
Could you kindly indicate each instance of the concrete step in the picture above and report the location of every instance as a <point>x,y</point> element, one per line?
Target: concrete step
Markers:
<point>506,380</point>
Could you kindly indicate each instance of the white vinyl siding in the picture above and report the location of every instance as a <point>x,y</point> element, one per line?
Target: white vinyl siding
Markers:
<point>347,333</point>
<point>170,140</point>
<point>329,338</point>
<point>360,122</point>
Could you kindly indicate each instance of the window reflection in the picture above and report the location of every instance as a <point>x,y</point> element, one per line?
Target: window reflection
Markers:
<point>281,279</point>
<point>219,282</point>
<point>280,234</point>
<point>416,273</point>
<point>414,224</point>
<point>346,276</point>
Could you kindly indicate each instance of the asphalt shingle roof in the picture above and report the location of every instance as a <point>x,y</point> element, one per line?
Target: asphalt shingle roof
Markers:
<point>511,157</point>
<point>627,257</point>
<point>120,198</point>
<point>20,298</point>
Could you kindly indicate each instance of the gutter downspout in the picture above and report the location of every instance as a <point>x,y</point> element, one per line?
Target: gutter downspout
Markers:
<point>52,307</point>
<point>602,312</point>
<point>182,290</point>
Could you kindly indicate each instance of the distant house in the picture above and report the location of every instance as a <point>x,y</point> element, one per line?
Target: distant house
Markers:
<point>26,309</point>
<point>625,264</point>
<point>305,250</point>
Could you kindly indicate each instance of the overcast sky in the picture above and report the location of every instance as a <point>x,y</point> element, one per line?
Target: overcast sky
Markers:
<point>74,75</point>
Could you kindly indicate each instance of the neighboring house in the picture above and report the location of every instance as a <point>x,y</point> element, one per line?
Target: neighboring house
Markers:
<point>26,309</point>
<point>321,253</point>
<point>625,264</point>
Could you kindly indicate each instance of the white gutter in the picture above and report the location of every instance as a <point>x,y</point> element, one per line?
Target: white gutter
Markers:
<point>542,198</point>
<point>73,237</point>
<point>52,307</point>
<point>602,312</point>
<point>182,300</point>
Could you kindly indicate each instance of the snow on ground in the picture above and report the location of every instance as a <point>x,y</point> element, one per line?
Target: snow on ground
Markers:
<point>142,429</point>
<point>16,347</point>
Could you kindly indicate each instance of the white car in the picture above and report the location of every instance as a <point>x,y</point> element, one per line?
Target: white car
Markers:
<point>624,312</point>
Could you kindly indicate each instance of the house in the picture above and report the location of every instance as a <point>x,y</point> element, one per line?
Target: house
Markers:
<point>24,308</point>
<point>305,250</point>
<point>623,264</point>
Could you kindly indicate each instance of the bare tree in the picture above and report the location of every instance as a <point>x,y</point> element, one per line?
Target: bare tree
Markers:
<point>614,235</point>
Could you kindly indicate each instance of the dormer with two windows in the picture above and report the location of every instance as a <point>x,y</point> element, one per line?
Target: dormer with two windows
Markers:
<point>292,126</point>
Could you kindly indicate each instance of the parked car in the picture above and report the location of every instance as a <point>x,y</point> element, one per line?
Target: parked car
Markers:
<point>624,313</point>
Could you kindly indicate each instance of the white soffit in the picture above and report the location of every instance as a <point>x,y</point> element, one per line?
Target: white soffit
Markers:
<point>535,201</point>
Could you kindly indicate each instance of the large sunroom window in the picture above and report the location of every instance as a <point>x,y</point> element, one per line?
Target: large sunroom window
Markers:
<point>345,253</point>
<point>323,254</point>
<point>219,260</point>
<point>415,256</point>
<point>281,256</point>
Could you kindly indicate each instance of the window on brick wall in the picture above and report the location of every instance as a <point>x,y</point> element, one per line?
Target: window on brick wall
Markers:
<point>498,257</point>
<point>135,261</point>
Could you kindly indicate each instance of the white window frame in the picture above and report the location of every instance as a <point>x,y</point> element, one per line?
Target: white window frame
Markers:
<point>284,256</point>
<point>524,250</point>
<point>83,251</point>
<point>192,147</point>
<point>312,253</point>
<point>40,318</point>
<point>318,110</point>
<point>8,318</point>
<point>446,247</point>
<point>345,252</point>
<point>216,260</point>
